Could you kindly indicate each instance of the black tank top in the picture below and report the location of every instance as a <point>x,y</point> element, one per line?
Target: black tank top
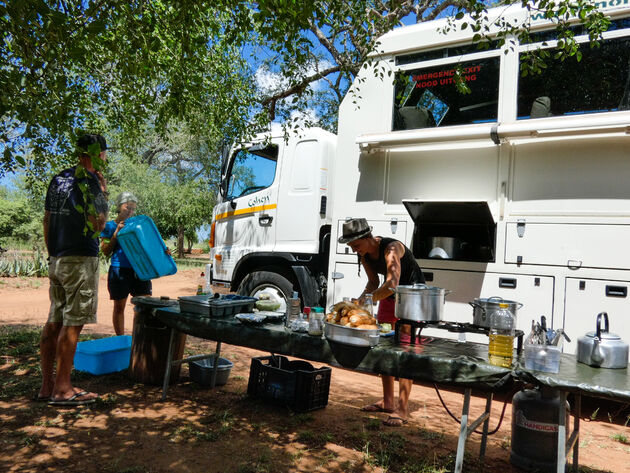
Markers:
<point>410,271</point>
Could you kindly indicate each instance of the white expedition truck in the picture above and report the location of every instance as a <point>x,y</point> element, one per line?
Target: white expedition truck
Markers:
<point>519,189</point>
<point>271,226</point>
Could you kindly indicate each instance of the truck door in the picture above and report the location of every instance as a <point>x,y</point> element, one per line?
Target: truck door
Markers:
<point>245,219</point>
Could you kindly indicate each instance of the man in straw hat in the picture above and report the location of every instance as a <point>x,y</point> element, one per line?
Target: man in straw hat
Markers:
<point>392,259</point>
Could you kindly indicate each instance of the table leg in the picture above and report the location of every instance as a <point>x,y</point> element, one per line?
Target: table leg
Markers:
<point>577,412</point>
<point>486,423</point>
<point>215,368</point>
<point>561,459</point>
<point>169,361</point>
<point>463,433</point>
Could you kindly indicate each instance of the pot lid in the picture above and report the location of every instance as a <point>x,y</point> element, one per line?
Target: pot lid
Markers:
<point>416,288</point>
<point>449,212</point>
<point>494,300</point>
<point>604,336</point>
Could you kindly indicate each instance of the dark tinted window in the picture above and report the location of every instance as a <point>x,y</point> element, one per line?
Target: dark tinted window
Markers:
<point>600,82</point>
<point>428,97</point>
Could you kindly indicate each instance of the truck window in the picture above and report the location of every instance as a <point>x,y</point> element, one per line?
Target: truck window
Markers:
<point>600,82</point>
<point>427,97</point>
<point>252,170</point>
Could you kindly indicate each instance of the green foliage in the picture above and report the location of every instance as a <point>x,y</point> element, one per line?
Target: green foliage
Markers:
<point>13,213</point>
<point>32,265</point>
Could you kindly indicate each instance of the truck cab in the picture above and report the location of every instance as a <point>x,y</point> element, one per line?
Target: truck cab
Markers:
<point>271,226</point>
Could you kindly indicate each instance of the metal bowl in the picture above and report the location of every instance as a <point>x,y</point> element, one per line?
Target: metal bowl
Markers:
<point>358,337</point>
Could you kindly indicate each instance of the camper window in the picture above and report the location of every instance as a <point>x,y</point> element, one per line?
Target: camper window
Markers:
<point>251,170</point>
<point>428,97</point>
<point>598,83</point>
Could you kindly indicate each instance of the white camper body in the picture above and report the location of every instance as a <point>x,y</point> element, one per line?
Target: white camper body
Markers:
<point>535,210</point>
<point>271,225</point>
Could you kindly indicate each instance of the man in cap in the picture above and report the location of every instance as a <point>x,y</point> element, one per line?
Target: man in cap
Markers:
<point>122,280</point>
<point>70,233</point>
<point>392,259</point>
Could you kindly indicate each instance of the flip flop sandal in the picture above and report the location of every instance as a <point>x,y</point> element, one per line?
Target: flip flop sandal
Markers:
<point>376,408</point>
<point>72,401</point>
<point>394,421</point>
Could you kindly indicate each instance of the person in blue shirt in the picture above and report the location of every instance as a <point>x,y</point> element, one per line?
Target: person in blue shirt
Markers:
<point>121,279</point>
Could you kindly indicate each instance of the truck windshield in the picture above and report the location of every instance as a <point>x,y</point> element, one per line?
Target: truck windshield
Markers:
<point>251,170</point>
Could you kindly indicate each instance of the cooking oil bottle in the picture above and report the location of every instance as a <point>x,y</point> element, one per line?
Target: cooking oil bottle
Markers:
<point>502,327</point>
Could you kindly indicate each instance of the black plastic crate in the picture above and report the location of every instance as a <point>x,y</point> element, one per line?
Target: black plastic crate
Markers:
<point>296,384</point>
<point>223,306</point>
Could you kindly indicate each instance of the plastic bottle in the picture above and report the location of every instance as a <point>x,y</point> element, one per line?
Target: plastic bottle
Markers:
<point>293,311</point>
<point>368,304</point>
<point>201,284</point>
<point>316,322</point>
<point>502,328</point>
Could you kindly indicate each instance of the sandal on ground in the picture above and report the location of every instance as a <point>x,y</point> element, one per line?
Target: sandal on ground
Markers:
<point>73,400</point>
<point>376,408</point>
<point>394,421</point>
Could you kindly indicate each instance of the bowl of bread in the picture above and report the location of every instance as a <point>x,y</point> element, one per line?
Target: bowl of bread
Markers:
<point>350,324</point>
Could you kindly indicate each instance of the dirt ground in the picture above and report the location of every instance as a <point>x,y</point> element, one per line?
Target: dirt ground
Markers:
<point>223,430</point>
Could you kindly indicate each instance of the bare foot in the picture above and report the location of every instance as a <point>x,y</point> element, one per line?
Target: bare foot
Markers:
<point>377,407</point>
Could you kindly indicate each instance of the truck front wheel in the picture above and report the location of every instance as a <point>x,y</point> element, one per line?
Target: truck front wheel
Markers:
<point>278,287</point>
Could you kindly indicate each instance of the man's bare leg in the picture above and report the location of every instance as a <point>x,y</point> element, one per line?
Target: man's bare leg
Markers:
<point>66,346</point>
<point>47,350</point>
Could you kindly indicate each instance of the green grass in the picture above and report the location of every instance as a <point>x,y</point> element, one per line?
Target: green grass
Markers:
<point>621,438</point>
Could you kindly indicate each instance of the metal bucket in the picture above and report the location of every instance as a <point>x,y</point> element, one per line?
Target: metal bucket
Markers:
<point>420,303</point>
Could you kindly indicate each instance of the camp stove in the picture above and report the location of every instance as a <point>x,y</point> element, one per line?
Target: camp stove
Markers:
<point>456,327</point>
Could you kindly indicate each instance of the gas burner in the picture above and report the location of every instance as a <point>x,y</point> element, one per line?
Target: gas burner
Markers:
<point>455,327</point>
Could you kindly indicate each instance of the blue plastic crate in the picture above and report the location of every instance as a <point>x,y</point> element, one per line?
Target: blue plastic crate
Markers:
<point>104,355</point>
<point>143,245</point>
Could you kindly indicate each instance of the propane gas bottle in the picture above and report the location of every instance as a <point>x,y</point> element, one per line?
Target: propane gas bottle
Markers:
<point>535,415</point>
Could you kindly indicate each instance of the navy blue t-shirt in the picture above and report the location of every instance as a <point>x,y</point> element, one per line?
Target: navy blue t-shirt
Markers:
<point>65,230</point>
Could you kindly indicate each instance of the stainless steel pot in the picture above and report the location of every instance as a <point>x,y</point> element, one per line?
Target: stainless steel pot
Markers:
<point>445,247</point>
<point>484,307</point>
<point>601,348</point>
<point>420,303</point>
<point>357,337</point>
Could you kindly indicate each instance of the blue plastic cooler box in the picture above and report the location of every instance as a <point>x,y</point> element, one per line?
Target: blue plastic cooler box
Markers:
<point>103,355</point>
<point>143,245</point>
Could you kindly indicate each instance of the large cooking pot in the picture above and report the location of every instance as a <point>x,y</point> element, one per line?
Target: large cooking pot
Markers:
<point>420,303</point>
<point>484,307</point>
<point>445,247</point>
<point>601,348</point>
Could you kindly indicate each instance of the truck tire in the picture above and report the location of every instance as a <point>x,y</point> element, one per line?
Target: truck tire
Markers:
<point>279,287</point>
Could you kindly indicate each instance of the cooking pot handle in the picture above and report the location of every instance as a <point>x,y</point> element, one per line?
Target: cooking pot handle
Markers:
<point>447,292</point>
<point>495,297</point>
<point>599,324</point>
<point>475,305</point>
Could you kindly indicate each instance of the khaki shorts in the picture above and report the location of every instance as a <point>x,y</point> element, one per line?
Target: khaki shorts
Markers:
<point>73,289</point>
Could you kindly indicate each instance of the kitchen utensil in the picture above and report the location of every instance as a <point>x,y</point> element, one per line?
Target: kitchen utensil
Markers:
<point>445,247</point>
<point>358,337</point>
<point>483,307</point>
<point>601,348</point>
<point>420,303</point>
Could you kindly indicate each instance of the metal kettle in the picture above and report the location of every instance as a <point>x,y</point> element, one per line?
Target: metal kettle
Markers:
<point>601,348</point>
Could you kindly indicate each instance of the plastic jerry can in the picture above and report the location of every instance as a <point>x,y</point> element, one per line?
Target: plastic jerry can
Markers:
<point>143,245</point>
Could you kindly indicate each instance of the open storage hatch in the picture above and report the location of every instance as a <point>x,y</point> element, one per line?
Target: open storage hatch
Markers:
<point>463,231</point>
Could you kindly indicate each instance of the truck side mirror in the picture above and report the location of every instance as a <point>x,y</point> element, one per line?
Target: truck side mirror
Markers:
<point>232,204</point>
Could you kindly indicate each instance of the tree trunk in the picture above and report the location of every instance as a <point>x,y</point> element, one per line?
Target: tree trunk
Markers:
<point>180,241</point>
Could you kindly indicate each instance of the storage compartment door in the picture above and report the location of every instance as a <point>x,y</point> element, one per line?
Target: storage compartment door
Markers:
<point>585,298</point>
<point>572,245</point>
<point>534,292</point>
<point>351,285</point>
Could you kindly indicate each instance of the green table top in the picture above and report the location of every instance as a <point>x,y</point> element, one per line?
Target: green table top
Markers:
<point>435,360</point>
